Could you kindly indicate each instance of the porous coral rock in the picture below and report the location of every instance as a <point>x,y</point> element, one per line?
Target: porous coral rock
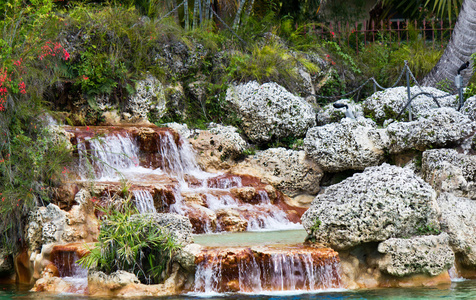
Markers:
<point>458,219</point>
<point>290,171</point>
<point>346,145</point>
<point>269,111</point>
<point>435,128</point>
<point>469,108</point>
<point>149,97</point>
<point>380,203</point>
<point>387,104</point>
<point>449,171</point>
<point>429,255</point>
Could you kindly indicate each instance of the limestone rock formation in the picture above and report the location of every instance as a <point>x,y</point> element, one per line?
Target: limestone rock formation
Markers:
<point>430,255</point>
<point>50,224</point>
<point>435,128</point>
<point>458,219</point>
<point>149,98</point>
<point>387,104</point>
<point>218,146</point>
<point>6,262</point>
<point>330,114</point>
<point>373,206</point>
<point>269,111</point>
<point>346,145</point>
<point>290,171</point>
<point>112,281</point>
<point>469,108</point>
<point>446,170</point>
<point>177,225</point>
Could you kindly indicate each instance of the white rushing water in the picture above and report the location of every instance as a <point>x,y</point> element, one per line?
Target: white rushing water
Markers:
<point>114,157</point>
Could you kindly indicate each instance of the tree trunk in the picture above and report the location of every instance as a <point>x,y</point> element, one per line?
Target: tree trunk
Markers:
<point>185,15</point>
<point>238,13</point>
<point>195,13</point>
<point>462,44</point>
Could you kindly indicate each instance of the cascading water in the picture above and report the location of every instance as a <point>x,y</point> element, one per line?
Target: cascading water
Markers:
<point>144,202</point>
<point>112,156</point>
<point>268,269</point>
<point>72,273</point>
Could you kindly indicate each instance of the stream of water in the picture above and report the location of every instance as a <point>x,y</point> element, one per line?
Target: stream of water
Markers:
<point>457,290</point>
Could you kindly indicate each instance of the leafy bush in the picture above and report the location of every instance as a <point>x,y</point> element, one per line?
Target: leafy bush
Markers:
<point>133,244</point>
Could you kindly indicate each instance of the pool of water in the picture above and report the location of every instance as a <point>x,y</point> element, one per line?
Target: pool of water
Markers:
<point>251,238</point>
<point>457,290</point>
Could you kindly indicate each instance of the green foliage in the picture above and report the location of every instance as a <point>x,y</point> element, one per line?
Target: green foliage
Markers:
<point>428,229</point>
<point>315,226</point>
<point>33,159</point>
<point>127,241</point>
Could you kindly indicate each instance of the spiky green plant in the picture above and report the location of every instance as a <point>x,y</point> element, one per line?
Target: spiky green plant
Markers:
<point>132,243</point>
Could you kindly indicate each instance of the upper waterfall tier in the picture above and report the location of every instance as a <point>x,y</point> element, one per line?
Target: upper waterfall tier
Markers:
<point>163,176</point>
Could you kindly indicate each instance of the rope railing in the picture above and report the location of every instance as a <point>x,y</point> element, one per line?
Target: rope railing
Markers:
<point>409,78</point>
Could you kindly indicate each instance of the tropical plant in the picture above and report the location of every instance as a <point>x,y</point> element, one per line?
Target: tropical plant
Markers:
<point>133,243</point>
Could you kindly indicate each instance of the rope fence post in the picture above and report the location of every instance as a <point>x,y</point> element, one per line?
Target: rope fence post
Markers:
<point>407,75</point>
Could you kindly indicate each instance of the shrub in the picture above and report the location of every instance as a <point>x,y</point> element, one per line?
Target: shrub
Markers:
<point>133,244</point>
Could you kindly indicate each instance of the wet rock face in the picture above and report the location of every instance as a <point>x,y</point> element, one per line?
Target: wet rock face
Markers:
<point>243,269</point>
<point>290,171</point>
<point>387,104</point>
<point>346,145</point>
<point>446,170</point>
<point>112,281</point>
<point>269,111</point>
<point>176,225</point>
<point>435,128</point>
<point>6,263</point>
<point>430,255</point>
<point>373,206</point>
<point>458,219</point>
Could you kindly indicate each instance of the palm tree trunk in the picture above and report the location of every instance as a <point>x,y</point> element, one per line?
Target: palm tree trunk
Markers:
<point>195,12</point>
<point>250,7</point>
<point>238,13</point>
<point>462,44</point>
<point>174,4</point>
<point>185,14</point>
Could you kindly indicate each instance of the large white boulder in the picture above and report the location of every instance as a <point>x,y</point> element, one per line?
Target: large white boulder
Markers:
<point>288,170</point>
<point>148,98</point>
<point>387,104</point>
<point>435,128</point>
<point>381,203</point>
<point>469,108</point>
<point>346,145</point>
<point>269,111</point>
<point>446,170</point>
<point>430,255</point>
<point>458,219</point>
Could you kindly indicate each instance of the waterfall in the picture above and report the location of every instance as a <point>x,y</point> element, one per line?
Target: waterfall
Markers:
<point>107,157</point>
<point>255,271</point>
<point>72,273</point>
<point>144,202</point>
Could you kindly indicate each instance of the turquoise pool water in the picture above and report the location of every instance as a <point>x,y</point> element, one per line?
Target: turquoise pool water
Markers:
<point>457,290</point>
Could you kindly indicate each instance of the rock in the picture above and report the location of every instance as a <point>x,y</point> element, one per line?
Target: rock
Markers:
<point>330,114</point>
<point>6,263</point>
<point>429,255</point>
<point>290,171</point>
<point>176,225</point>
<point>186,257</point>
<point>449,171</point>
<point>230,220</point>
<point>435,128</point>
<point>373,206</point>
<point>59,136</point>
<point>50,224</point>
<point>469,108</point>
<point>458,219</point>
<point>113,281</point>
<point>387,104</point>
<point>269,111</point>
<point>149,98</point>
<point>181,129</point>
<point>346,145</point>
<point>218,147</point>
<point>245,194</point>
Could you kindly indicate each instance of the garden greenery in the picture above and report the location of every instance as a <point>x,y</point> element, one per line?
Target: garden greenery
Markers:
<point>133,243</point>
